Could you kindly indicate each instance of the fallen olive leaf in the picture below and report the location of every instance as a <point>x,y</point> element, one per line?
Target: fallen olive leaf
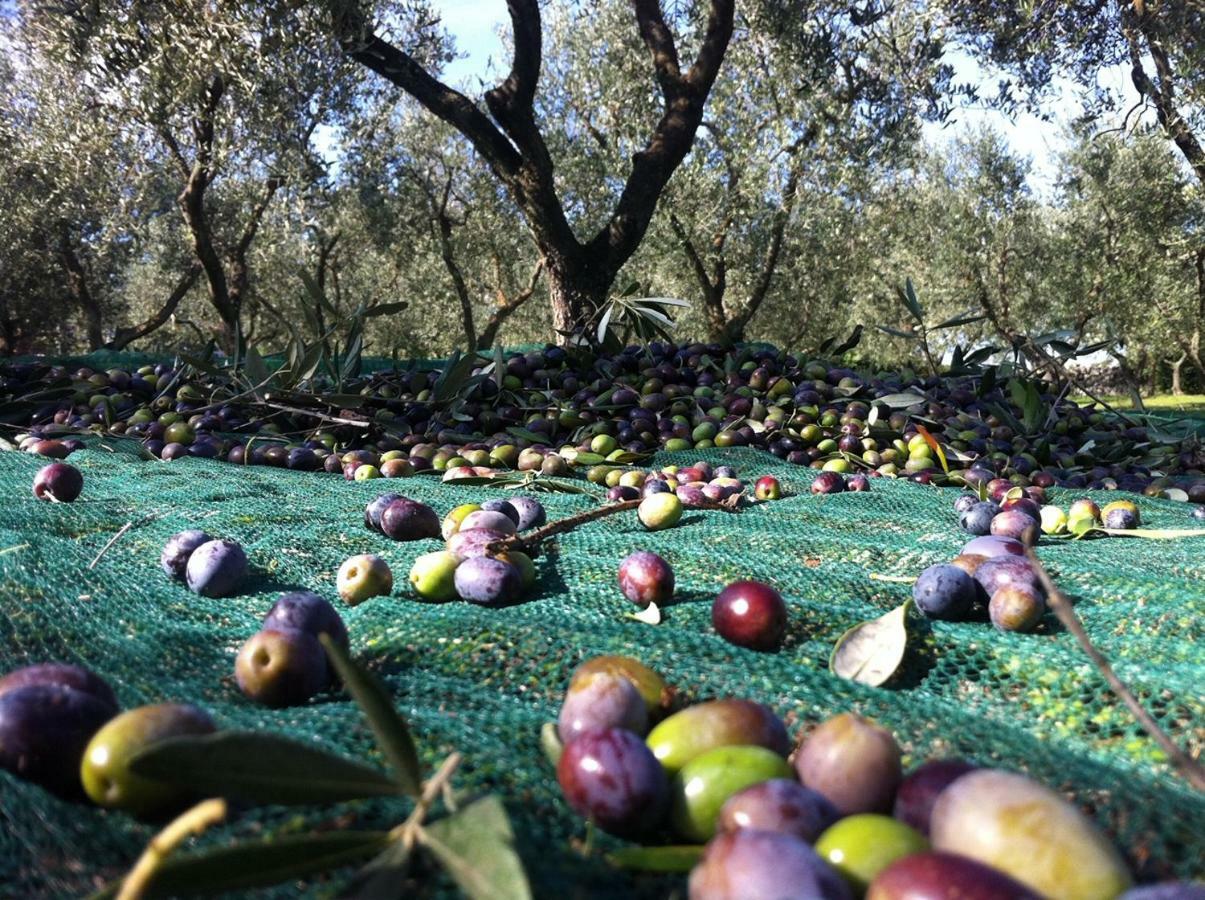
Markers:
<point>650,615</point>
<point>871,652</point>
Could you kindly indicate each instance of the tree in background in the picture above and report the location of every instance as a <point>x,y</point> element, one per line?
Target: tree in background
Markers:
<point>1128,262</point>
<point>427,203</point>
<point>510,141</point>
<point>1160,41</point>
<point>206,92</point>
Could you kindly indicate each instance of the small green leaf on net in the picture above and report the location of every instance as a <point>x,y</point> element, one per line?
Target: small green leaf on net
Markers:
<point>1177,494</point>
<point>936,447</point>
<point>392,734</point>
<point>677,858</point>
<point>258,864</point>
<point>477,480</point>
<point>894,579</point>
<point>476,847</point>
<point>650,615</point>
<point>260,768</point>
<point>550,742</point>
<point>584,458</point>
<point>871,652</point>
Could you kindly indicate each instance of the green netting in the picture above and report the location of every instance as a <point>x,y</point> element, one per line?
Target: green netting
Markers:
<point>482,681</point>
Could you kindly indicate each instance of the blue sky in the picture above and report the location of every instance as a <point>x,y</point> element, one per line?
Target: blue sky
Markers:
<point>475,25</point>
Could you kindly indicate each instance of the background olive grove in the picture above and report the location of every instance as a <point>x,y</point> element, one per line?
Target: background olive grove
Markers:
<point>173,173</point>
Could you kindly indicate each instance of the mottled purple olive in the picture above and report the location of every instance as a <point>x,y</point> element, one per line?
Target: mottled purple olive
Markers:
<point>1003,571</point>
<point>306,611</point>
<point>828,483</point>
<point>491,519</point>
<point>216,568</point>
<point>945,592</point>
<point>1014,523</point>
<point>1016,607</point>
<point>473,542</point>
<point>990,545</point>
<point>644,578</point>
<point>488,581</point>
<point>531,512</point>
<point>763,865</point>
<point>611,778</point>
<point>376,506</point>
<point>601,700</point>
<point>780,805</point>
<point>409,520</point>
<point>978,518</point>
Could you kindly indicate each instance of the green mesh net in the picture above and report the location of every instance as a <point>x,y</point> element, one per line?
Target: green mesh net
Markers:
<point>483,681</point>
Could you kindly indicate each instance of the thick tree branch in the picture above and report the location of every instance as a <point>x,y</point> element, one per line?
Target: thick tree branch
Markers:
<point>506,305</point>
<point>512,103</point>
<point>673,136</point>
<point>660,41</point>
<point>173,148</point>
<point>126,336</point>
<point>692,255</point>
<point>253,221</point>
<point>402,70</point>
<point>1137,22</point>
<point>192,204</point>
<point>77,284</point>
<point>773,252</point>
<point>712,291</point>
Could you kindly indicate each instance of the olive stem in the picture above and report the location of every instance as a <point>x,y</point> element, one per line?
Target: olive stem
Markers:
<point>560,526</point>
<point>1192,770</point>
<point>193,821</point>
<point>566,524</point>
<point>410,830</point>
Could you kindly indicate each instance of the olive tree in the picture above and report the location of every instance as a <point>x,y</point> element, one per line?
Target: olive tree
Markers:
<point>207,92</point>
<point>1159,41</point>
<point>507,136</point>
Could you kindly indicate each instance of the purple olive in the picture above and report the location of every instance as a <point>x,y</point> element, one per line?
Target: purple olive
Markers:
<point>611,778</point>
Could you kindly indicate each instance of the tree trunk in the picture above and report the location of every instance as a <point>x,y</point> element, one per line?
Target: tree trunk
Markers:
<point>77,284</point>
<point>577,293</point>
<point>1177,384</point>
